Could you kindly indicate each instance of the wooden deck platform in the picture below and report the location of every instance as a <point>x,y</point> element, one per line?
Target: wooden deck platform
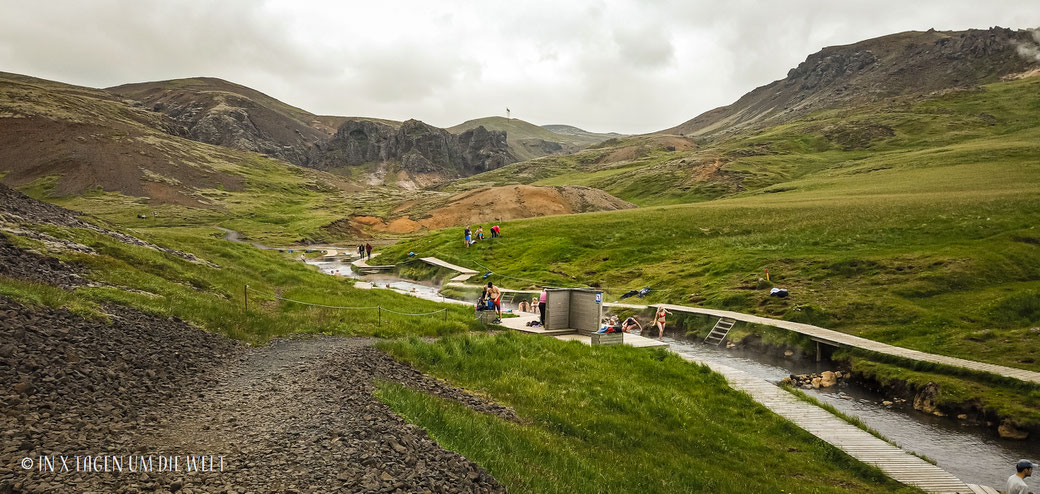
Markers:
<point>464,273</point>
<point>837,338</point>
<point>895,462</point>
<point>520,324</point>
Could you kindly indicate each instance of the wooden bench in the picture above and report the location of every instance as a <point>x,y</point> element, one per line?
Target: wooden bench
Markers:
<point>607,338</point>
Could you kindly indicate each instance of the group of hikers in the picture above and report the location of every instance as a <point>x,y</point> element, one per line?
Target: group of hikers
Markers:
<point>473,236</point>
<point>364,251</point>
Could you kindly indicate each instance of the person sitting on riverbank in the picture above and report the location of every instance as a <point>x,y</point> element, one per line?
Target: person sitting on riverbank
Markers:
<point>524,306</point>
<point>480,233</point>
<point>611,326</point>
<point>1016,483</point>
<point>630,324</point>
<point>534,305</point>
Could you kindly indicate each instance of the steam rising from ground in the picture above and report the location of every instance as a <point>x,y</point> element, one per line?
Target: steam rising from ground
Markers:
<point>1030,50</point>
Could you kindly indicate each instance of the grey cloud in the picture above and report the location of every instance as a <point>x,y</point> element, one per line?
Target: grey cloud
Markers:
<point>623,66</point>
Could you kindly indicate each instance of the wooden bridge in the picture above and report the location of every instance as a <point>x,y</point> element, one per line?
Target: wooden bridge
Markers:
<point>839,339</point>
<point>363,267</point>
<point>464,273</point>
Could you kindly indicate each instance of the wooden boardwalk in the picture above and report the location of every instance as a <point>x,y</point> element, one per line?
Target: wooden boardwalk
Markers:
<point>520,324</point>
<point>364,267</point>
<point>837,338</point>
<point>464,273</point>
<point>859,444</point>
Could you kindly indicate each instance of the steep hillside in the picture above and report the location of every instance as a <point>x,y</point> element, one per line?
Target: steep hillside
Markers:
<point>529,141</point>
<point>497,204</point>
<point>90,151</point>
<point>909,63</point>
<point>219,112</point>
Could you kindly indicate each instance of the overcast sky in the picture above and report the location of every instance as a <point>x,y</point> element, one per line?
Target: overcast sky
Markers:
<point>604,66</point>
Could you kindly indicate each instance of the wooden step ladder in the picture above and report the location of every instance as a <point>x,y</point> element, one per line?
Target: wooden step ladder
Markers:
<point>719,332</point>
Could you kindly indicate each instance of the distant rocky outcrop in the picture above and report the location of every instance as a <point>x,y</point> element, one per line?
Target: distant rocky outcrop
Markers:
<point>903,64</point>
<point>419,147</point>
<point>219,112</point>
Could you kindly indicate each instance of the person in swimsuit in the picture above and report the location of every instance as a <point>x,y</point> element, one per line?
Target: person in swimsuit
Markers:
<point>495,295</point>
<point>467,236</point>
<point>631,323</point>
<point>661,313</point>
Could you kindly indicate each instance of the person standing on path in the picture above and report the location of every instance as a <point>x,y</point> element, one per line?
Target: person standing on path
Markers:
<point>1016,483</point>
<point>361,251</point>
<point>495,295</point>
<point>467,236</point>
<point>368,250</point>
<point>541,305</point>
<point>659,320</point>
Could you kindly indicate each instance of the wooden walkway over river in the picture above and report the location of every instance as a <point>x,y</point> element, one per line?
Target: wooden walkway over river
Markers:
<point>837,338</point>
<point>895,462</point>
<point>464,273</point>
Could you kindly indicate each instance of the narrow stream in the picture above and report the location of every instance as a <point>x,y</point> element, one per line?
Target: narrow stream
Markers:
<point>973,454</point>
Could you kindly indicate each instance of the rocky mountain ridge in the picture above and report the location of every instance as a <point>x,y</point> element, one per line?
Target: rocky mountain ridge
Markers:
<point>219,112</point>
<point>911,63</point>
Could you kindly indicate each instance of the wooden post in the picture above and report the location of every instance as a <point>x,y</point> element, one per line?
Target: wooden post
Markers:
<point>445,315</point>
<point>245,296</point>
<point>380,315</point>
<point>819,357</point>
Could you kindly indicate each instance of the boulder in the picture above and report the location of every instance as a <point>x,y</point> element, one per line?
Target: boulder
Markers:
<point>1008,429</point>
<point>816,382</point>
<point>924,400</point>
<point>827,379</point>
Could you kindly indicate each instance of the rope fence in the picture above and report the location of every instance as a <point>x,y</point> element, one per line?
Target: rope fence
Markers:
<point>378,308</point>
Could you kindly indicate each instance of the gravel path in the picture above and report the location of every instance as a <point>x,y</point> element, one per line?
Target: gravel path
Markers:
<point>297,415</point>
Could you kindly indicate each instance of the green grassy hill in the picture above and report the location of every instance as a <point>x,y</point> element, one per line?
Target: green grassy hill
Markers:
<point>913,224</point>
<point>995,121</point>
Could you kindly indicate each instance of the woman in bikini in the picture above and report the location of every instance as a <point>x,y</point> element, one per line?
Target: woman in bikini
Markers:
<point>661,313</point>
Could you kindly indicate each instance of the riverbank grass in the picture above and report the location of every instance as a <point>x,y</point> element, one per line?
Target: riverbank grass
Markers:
<point>615,419</point>
<point>212,293</point>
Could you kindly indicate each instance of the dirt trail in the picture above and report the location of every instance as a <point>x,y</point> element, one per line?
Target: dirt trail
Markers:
<point>297,415</point>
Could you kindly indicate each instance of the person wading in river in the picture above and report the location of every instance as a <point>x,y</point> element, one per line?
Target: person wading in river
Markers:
<point>630,324</point>
<point>659,320</point>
